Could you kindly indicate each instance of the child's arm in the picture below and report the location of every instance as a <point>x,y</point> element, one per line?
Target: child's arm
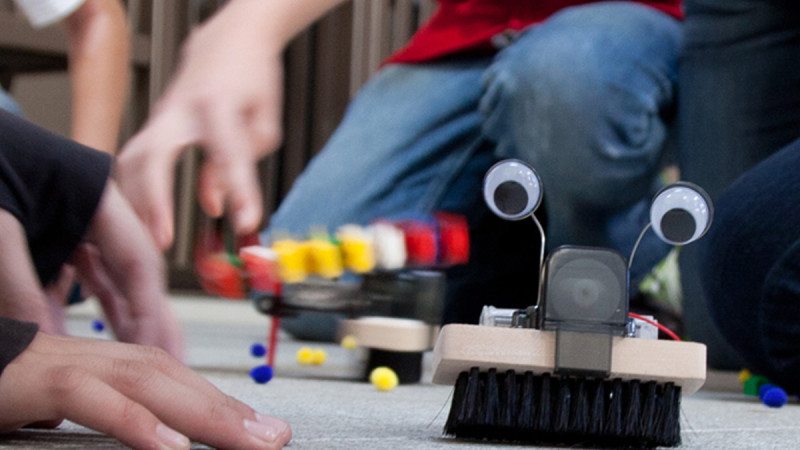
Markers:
<point>55,197</point>
<point>99,45</point>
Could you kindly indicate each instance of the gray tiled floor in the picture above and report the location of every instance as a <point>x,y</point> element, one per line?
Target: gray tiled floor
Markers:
<point>328,410</point>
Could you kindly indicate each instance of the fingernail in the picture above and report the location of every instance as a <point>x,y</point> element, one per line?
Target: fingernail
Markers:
<point>281,427</point>
<point>274,422</point>
<point>265,429</point>
<point>171,439</point>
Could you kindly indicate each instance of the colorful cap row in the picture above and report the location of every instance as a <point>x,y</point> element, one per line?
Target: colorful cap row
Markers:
<point>383,245</point>
<point>441,241</point>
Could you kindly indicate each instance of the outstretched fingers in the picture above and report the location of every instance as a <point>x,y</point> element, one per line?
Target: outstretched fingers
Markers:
<point>133,267</point>
<point>138,394</point>
<point>231,175</point>
<point>145,170</point>
<point>85,399</point>
<point>191,404</point>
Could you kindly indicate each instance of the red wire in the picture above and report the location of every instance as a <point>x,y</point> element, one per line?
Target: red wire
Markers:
<point>666,330</point>
<point>273,340</point>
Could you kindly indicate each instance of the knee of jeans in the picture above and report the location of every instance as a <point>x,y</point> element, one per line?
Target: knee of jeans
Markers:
<point>561,113</point>
<point>532,103</point>
<point>547,87</point>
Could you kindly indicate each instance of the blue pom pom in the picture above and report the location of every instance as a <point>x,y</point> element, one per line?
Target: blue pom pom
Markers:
<point>774,397</point>
<point>258,350</point>
<point>763,389</point>
<point>98,326</point>
<point>261,374</point>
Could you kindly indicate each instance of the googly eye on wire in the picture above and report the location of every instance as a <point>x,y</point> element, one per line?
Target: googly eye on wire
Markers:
<point>681,213</point>
<point>512,189</point>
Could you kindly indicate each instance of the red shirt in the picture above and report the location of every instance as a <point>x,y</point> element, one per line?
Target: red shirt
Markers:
<point>460,26</point>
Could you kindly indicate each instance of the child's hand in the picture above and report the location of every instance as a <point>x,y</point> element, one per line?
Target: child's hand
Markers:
<point>139,395</point>
<point>226,98</point>
<point>120,264</point>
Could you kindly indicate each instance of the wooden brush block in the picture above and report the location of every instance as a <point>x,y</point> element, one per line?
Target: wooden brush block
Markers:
<point>461,347</point>
<point>388,333</point>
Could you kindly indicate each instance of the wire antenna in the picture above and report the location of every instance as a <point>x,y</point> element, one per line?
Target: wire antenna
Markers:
<point>541,256</point>
<point>636,245</point>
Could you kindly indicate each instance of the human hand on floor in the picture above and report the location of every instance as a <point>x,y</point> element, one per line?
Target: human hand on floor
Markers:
<point>137,394</point>
<point>120,264</point>
<point>117,261</point>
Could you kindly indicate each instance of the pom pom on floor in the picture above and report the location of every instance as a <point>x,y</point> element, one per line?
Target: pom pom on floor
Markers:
<point>307,356</point>
<point>772,396</point>
<point>258,350</point>
<point>383,378</point>
<point>349,342</point>
<point>261,374</point>
<point>304,355</point>
<point>318,357</point>
<point>98,326</point>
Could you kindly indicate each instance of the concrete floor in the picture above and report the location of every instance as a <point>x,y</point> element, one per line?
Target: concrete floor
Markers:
<point>329,410</point>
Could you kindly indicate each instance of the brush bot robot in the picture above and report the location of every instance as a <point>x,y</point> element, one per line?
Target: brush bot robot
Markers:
<point>569,369</point>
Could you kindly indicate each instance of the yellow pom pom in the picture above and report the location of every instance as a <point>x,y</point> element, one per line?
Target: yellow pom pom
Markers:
<point>383,378</point>
<point>305,355</point>
<point>318,357</point>
<point>744,375</point>
<point>349,342</point>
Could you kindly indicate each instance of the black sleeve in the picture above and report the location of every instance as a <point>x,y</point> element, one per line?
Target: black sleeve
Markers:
<point>14,338</point>
<point>52,186</point>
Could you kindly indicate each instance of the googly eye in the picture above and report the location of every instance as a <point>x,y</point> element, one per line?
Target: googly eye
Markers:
<point>512,189</point>
<point>681,213</point>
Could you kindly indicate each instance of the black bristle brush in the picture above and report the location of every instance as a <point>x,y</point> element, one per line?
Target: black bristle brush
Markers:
<point>546,409</point>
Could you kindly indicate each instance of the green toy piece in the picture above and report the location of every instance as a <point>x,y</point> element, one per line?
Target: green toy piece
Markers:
<point>752,383</point>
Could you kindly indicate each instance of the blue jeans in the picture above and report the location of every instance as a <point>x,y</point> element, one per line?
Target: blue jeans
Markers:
<point>751,267</point>
<point>583,97</point>
<point>739,96</point>
<point>8,104</point>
